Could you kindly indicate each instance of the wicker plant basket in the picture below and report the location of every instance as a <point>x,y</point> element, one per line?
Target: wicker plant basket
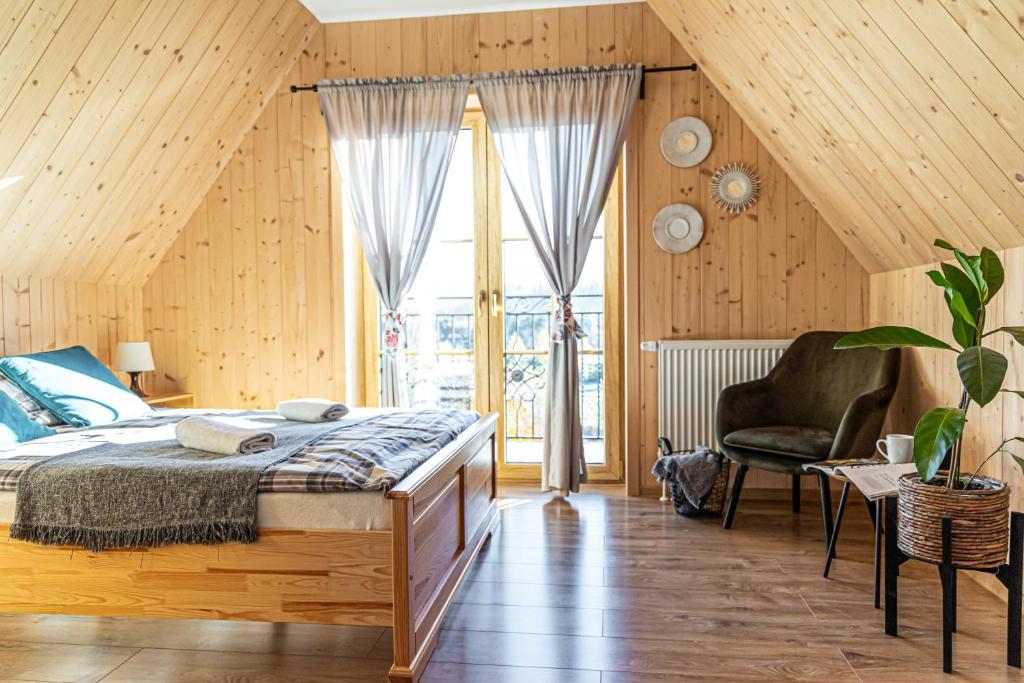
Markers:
<point>981,518</point>
<point>714,503</point>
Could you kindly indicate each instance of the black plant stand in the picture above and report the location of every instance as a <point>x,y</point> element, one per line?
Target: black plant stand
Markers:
<point>1010,575</point>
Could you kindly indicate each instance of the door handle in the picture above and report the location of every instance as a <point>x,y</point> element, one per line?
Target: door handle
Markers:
<point>481,303</point>
<point>495,302</point>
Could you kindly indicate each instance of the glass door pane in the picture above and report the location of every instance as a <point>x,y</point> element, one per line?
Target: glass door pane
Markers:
<point>479,317</point>
<point>527,338</point>
<point>440,356</point>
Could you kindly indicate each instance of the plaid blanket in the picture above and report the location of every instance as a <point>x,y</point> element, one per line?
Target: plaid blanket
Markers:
<point>373,454</point>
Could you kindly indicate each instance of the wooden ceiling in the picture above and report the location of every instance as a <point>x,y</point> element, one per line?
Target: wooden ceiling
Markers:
<point>901,120</point>
<point>117,115</point>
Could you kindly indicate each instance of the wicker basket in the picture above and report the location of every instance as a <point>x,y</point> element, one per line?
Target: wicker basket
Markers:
<point>981,518</point>
<point>714,502</point>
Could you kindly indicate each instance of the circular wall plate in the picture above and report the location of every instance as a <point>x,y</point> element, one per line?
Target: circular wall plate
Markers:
<point>686,141</point>
<point>678,228</point>
<point>734,187</point>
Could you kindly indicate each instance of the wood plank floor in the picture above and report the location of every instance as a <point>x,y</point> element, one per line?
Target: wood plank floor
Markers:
<point>597,589</point>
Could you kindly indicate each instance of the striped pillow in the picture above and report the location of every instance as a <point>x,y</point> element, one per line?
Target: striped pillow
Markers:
<point>34,408</point>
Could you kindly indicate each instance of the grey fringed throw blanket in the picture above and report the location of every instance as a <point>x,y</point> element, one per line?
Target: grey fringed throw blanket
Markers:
<point>695,473</point>
<point>137,489</point>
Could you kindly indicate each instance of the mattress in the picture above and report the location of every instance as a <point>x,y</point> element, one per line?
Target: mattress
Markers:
<point>313,489</point>
<point>372,453</point>
<point>354,510</point>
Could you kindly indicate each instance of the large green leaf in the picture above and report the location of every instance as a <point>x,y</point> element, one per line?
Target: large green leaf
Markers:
<point>982,371</point>
<point>938,278</point>
<point>1016,458</point>
<point>963,331</point>
<point>957,306</point>
<point>954,300</point>
<point>959,280</point>
<point>935,434</point>
<point>992,271</point>
<point>972,266</point>
<point>890,337</point>
<point>964,323</point>
<point>1016,332</point>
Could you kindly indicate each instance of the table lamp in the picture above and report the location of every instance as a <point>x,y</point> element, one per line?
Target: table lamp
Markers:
<point>134,358</point>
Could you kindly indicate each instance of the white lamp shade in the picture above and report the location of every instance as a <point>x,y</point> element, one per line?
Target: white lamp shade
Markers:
<point>134,357</point>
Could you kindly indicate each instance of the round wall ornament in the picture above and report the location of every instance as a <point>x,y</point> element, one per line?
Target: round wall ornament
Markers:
<point>686,141</point>
<point>734,187</point>
<point>678,228</point>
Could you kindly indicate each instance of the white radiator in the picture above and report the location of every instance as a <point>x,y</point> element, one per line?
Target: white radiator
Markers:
<point>691,375</point>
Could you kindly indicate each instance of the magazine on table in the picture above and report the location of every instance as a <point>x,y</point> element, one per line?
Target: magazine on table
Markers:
<point>878,480</point>
<point>874,478</point>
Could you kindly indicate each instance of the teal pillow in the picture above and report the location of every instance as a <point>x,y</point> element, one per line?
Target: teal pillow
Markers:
<point>16,425</point>
<point>75,385</point>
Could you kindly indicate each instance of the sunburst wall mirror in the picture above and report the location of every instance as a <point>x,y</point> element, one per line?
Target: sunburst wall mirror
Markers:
<point>734,187</point>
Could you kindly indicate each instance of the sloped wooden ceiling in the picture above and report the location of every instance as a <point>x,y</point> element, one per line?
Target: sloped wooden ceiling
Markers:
<point>117,115</point>
<point>901,120</point>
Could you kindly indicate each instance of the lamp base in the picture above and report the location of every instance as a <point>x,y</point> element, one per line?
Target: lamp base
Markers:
<point>136,386</point>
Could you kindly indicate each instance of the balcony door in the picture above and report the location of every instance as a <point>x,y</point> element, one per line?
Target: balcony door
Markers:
<point>479,318</point>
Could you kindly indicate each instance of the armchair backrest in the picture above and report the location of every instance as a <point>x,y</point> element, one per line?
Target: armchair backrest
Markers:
<point>819,382</point>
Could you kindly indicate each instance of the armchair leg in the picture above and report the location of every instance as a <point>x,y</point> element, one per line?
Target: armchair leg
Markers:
<point>737,487</point>
<point>796,494</point>
<point>826,505</point>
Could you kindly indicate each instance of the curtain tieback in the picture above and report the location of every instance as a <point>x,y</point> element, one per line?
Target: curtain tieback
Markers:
<point>565,322</point>
<point>394,331</point>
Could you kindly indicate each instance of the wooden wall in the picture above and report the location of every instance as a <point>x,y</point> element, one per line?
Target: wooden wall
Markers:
<point>117,115</point>
<point>247,306</point>
<point>42,314</point>
<point>770,273</point>
<point>901,120</point>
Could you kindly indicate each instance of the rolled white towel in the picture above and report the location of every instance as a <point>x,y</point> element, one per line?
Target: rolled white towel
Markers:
<point>312,410</point>
<point>223,435</point>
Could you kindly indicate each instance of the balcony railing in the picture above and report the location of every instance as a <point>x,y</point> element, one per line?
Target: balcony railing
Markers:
<point>446,376</point>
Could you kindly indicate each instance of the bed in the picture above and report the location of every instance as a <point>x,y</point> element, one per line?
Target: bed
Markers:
<point>358,558</point>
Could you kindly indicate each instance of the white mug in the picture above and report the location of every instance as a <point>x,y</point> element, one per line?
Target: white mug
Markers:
<point>898,448</point>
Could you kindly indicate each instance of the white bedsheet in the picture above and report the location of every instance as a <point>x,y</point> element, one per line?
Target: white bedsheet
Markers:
<point>357,510</point>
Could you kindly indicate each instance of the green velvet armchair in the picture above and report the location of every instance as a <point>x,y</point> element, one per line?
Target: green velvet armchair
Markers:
<point>815,404</point>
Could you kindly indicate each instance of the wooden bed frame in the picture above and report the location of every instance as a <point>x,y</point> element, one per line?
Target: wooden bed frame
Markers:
<point>405,578</point>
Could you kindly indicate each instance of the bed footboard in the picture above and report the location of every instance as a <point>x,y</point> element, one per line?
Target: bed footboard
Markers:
<point>441,516</point>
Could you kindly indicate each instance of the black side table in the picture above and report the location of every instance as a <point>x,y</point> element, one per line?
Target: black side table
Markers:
<point>874,510</point>
<point>1009,574</point>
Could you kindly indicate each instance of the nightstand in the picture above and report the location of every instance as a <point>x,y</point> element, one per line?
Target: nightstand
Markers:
<point>171,400</point>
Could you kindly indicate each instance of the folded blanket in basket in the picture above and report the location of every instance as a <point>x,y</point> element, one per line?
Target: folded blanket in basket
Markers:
<point>695,472</point>
<point>225,435</point>
<point>312,410</point>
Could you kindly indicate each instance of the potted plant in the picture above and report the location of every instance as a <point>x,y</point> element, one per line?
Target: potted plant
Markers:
<point>979,506</point>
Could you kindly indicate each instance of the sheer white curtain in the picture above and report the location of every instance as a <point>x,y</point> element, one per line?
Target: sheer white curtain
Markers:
<point>559,136</point>
<point>393,141</point>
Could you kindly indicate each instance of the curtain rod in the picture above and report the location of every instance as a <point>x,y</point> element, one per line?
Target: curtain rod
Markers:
<point>647,70</point>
